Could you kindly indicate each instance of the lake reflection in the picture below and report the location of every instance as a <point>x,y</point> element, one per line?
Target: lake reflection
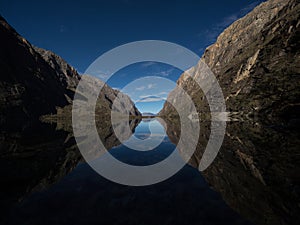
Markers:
<point>45,180</point>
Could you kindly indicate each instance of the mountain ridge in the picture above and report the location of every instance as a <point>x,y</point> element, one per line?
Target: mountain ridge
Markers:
<point>255,62</point>
<point>36,82</point>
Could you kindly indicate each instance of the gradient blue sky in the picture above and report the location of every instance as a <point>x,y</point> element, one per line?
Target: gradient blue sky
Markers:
<point>80,31</point>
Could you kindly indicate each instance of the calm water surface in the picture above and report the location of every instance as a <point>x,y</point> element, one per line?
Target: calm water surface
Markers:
<point>84,197</point>
<point>44,179</point>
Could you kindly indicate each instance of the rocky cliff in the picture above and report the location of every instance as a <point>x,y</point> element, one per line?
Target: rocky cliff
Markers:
<point>256,62</point>
<point>65,73</point>
<point>29,86</point>
<point>36,82</point>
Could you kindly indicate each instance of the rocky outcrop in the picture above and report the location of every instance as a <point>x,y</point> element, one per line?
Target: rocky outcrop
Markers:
<point>255,61</point>
<point>64,72</point>
<point>37,82</point>
<point>29,87</point>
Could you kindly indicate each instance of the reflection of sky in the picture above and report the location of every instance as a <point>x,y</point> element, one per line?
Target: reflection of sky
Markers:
<point>151,155</point>
<point>147,136</point>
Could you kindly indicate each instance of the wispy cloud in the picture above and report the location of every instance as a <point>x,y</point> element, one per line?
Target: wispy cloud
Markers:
<point>151,86</point>
<point>249,7</point>
<point>148,64</point>
<point>162,96</point>
<point>148,96</point>
<point>152,99</point>
<point>162,93</point>
<point>140,88</point>
<point>164,73</point>
<point>103,75</point>
<point>212,34</point>
<point>62,29</point>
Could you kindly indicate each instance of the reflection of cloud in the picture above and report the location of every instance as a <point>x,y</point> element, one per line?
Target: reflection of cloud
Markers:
<point>216,29</point>
<point>152,135</point>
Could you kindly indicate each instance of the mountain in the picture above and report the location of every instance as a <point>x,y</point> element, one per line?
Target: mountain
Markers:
<point>29,86</point>
<point>256,62</point>
<point>148,114</point>
<point>36,82</point>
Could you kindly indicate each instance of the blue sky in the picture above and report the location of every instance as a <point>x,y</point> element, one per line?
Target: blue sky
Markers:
<point>80,31</point>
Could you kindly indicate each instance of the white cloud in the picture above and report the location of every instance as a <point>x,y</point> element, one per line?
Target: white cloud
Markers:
<point>152,99</point>
<point>162,95</point>
<point>151,86</point>
<point>145,96</point>
<point>147,64</point>
<point>249,7</point>
<point>164,73</point>
<point>140,88</point>
<point>101,74</point>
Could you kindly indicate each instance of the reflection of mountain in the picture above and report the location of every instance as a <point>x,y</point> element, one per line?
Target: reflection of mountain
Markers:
<point>33,159</point>
<point>255,170</point>
<point>39,156</point>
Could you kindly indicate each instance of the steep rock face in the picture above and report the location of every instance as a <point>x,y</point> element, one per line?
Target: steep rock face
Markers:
<point>70,78</point>
<point>36,82</point>
<point>28,85</point>
<point>64,72</point>
<point>256,61</point>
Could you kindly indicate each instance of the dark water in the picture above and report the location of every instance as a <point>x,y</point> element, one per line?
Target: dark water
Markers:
<point>46,181</point>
